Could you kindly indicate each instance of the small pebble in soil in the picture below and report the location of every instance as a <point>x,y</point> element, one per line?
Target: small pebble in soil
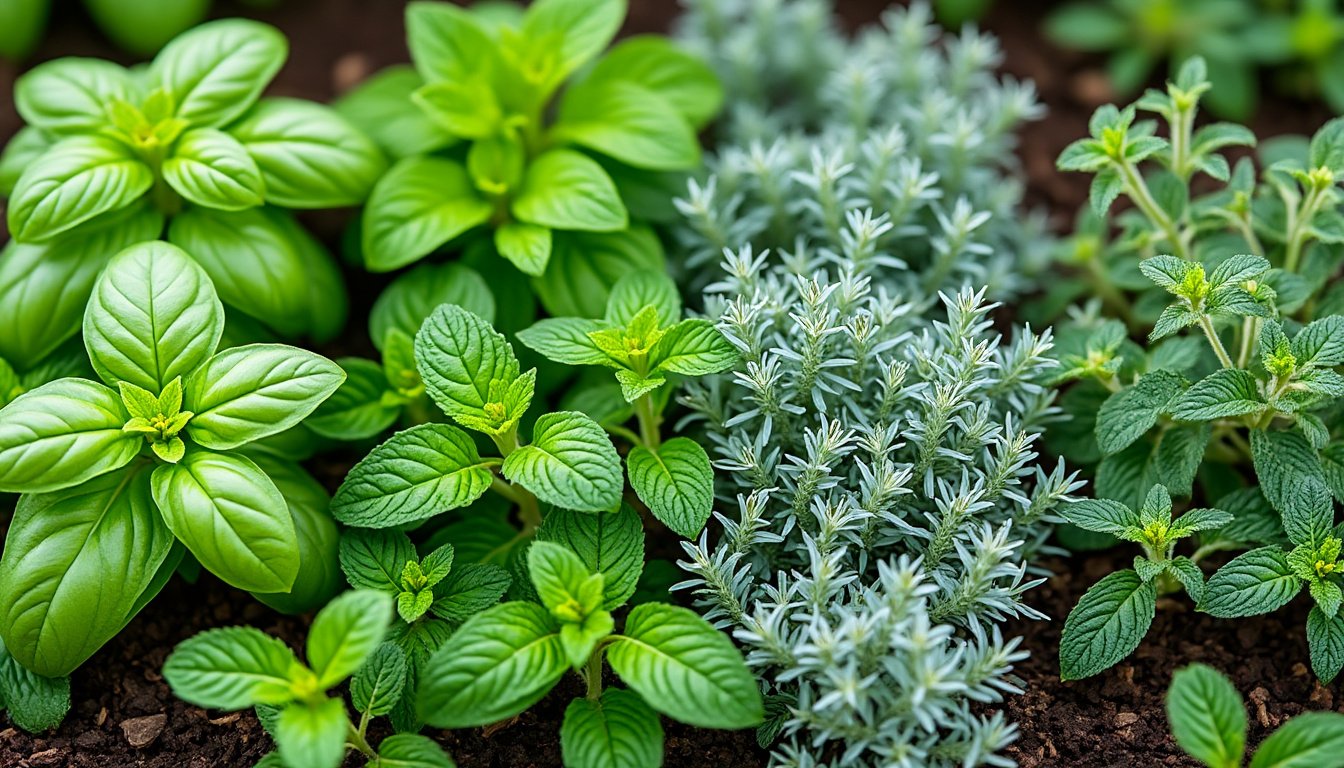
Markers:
<point>142,731</point>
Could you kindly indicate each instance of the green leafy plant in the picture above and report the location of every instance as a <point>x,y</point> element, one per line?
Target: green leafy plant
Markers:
<point>433,596</point>
<point>508,657</point>
<point>118,477</point>
<point>502,129</point>
<point>112,157</point>
<point>240,667</point>
<point>1114,614</point>
<point>1208,721</point>
<point>34,703</point>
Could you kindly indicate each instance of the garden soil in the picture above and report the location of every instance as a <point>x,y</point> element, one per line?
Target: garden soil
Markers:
<point>125,715</point>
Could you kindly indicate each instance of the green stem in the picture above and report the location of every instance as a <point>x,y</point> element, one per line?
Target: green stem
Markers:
<point>649,422</point>
<point>529,510</point>
<point>1250,329</point>
<point>1207,325</point>
<point>1298,228</point>
<point>593,674</point>
<point>356,739</point>
<point>1143,199</point>
<point>623,432</point>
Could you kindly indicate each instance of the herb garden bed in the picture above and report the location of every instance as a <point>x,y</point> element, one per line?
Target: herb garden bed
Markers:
<point>124,712</point>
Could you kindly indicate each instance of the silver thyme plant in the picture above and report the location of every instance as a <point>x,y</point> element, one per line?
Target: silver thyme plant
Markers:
<point>902,120</point>
<point>882,466</point>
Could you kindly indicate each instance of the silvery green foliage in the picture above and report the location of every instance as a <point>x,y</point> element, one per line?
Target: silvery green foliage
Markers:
<point>902,120</point>
<point>882,465</point>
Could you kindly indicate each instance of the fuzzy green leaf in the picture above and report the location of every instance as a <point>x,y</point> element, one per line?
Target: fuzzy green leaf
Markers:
<point>1255,582</point>
<point>1107,625</point>
<point>1128,414</point>
<point>1325,637</point>
<point>1225,393</point>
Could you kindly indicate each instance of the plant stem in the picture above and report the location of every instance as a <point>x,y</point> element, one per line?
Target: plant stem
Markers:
<point>356,739</point>
<point>1207,325</point>
<point>1297,228</point>
<point>649,422</point>
<point>529,511</point>
<point>593,674</point>
<point>1250,328</point>
<point>1143,199</point>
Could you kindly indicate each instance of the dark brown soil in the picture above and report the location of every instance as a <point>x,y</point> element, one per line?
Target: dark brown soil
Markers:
<point>1115,719</point>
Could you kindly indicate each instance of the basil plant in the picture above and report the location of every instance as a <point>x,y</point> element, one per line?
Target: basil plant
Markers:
<point>503,130</point>
<point>184,149</point>
<point>119,476</point>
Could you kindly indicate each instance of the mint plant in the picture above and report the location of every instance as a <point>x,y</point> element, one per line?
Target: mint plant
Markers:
<point>506,658</point>
<point>34,703</point>
<point>240,667</point>
<point>433,596</point>
<point>1114,614</point>
<point>120,476</point>
<point>1208,721</point>
<point>643,338</point>
<point>186,150</point>
<point>503,129</point>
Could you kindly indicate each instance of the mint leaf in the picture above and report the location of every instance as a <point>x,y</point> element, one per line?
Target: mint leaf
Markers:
<point>1254,582</point>
<point>1102,516</point>
<point>1325,637</point>
<point>418,473</point>
<point>566,340</point>
<point>357,409</point>
<point>1179,456</point>
<point>1108,623</point>
<point>410,750</point>
<point>611,543</point>
<point>378,684</point>
<point>1225,393</point>
<point>346,632</point>
<point>1309,513</point>
<point>35,703</point>
<point>693,347</point>
<point>231,668</point>
<point>676,482</point>
<point>617,730</point>
<point>1207,717</point>
<point>374,559</point>
<point>469,589</point>
<point>1128,414</point>
<point>1283,460</point>
<point>1320,343</point>
<point>570,463</point>
<point>411,298</point>
<point>1312,739</point>
<point>312,734</point>
<point>464,362</point>
<point>640,289</point>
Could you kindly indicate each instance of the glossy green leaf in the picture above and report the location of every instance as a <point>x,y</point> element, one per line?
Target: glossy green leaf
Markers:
<point>231,668</point>
<point>585,265</point>
<point>357,410</point>
<point>62,434</point>
<point>1311,740</point>
<point>412,298</point>
<point>570,463</point>
<point>1207,717</point>
<point>657,64</point>
<point>347,632</point>
<point>70,95</point>
<point>312,735</point>
<point>77,179</point>
<point>211,168</point>
<point>319,577</point>
<point>627,122</point>
<point>563,189</point>
<point>381,108</point>
<point>617,731</point>
<point>216,71</point>
<point>417,206</point>
<point>676,481</point>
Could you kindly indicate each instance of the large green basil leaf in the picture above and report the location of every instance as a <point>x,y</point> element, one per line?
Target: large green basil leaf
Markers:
<point>23,150</point>
<point>447,43</point>
<point>21,25</point>
<point>412,298</point>
<point>381,108</point>
<point>685,668</point>
<point>75,566</point>
<point>216,71</point>
<point>253,261</point>
<point>143,28</point>
<point>309,505</point>
<point>570,463</point>
<point>45,287</point>
<point>576,30</point>
<point>328,303</point>
<point>76,180</point>
<point>61,434</point>
<point>655,63</point>
<point>499,663</point>
<point>628,122</point>
<point>247,393</point>
<point>417,206</point>
<point>210,168</point>
<point>70,95</point>
<point>617,731</point>
<point>153,317</point>
<point>585,265</point>
<point>421,472</point>
<point>564,189</point>
<point>232,518</point>
<point>309,156</point>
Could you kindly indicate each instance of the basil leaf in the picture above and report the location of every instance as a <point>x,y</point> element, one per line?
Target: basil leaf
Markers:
<point>417,206</point>
<point>577,29</point>
<point>378,684</point>
<point>29,144</point>
<point>676,482</point>
<point>617,730</point>
<point>466,108</point>
<point>1254,582</point>
<point>248,393</point>
<point>585,265</point>
<point>76,180</point>
<point>232,518</point>
<point>35,703</point>
<point>693,347</point>
<point>62,434</point>
<point>356,410</point>
<point>216,71</point>
<point>526,246</point>
<point>308,155</point>
<point>312,735</point>
<point>499,663</point>
<point>570,463</point>
<point>563,189</point>
<point>231,668</point>
<point>347,632</point>
<point>657,64</point>
<point>309,506</point>
<point>59,606</point>
<point>418,473</point>
<point>611,543</point>
<point>685,668</point>
<point>153,317</point>
<point>381,108</point>
<point>461,359</point>
<point>1108,623</point>
<point>447,43</point>
<point>210,168</point>
<point>410,750</point>
<point>629,123</point>
<point>412,298</point>
<point>1207,717</point>
<point>69,96</point>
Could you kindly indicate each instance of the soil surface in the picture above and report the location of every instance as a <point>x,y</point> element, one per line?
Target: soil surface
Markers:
<point>1113,720</point>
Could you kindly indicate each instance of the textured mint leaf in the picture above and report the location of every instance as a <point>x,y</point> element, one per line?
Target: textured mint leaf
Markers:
<point>34,703</point>
<point>1128,414</point>
<point>565,340</point>
<point>1207,717</point>
<point>1307,741</point>
<point>1199,520</point>
<point>62,434</point>
<point>378,684</point>
<point>634,386</point>
<point>346,632</point>
<point>570,463</point>
<point>1237,269</point>
<point>640,289</point>
<point>1190,576</point>
<point>564,189</point>
<point>499,663</point>
<point>1166,271</point>
<point>411,298</point>
<point>418,205</point>
<point>1101,516</point>
<point>1172,319</point>
<point>374,559</point>
<point>685,669</point>
<point>216,71</point>
<point>618,731</point>
<point>461,358</point>
<point>153,316</point>
<point>1320,343</point>
<point>1254,582</point>
<point>416,474</point>
<point>562,581</point>
<point>1308,514</point>
<point>1332,468</point>
<point>611,543</point>
<point>469,589</point>
<point>1325,637</point>
<point>1225,393</point>
<point>1128,475</point>
<point>1327,595</point>
<point>1106,626</point>
<point>1283,461</point>
<point>312,735</point>
<point>231,668</point>
<point>676,482</point>
<point>212,169</point>
<point>1179,455</point>
<point>693,347</point>
<point>77,179</point>
<point>410,750</point>
<point>1254,521</point>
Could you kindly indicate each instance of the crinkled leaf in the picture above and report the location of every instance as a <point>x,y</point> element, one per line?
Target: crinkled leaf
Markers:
<point>1106,626</point>
<point>570,463</point>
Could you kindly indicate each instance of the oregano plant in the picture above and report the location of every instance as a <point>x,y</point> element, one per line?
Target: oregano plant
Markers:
<point>240,667</point>
<point>1114,614</point>
<point>124,474</point>
<point>187,150</point>
<point>506,658</point>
